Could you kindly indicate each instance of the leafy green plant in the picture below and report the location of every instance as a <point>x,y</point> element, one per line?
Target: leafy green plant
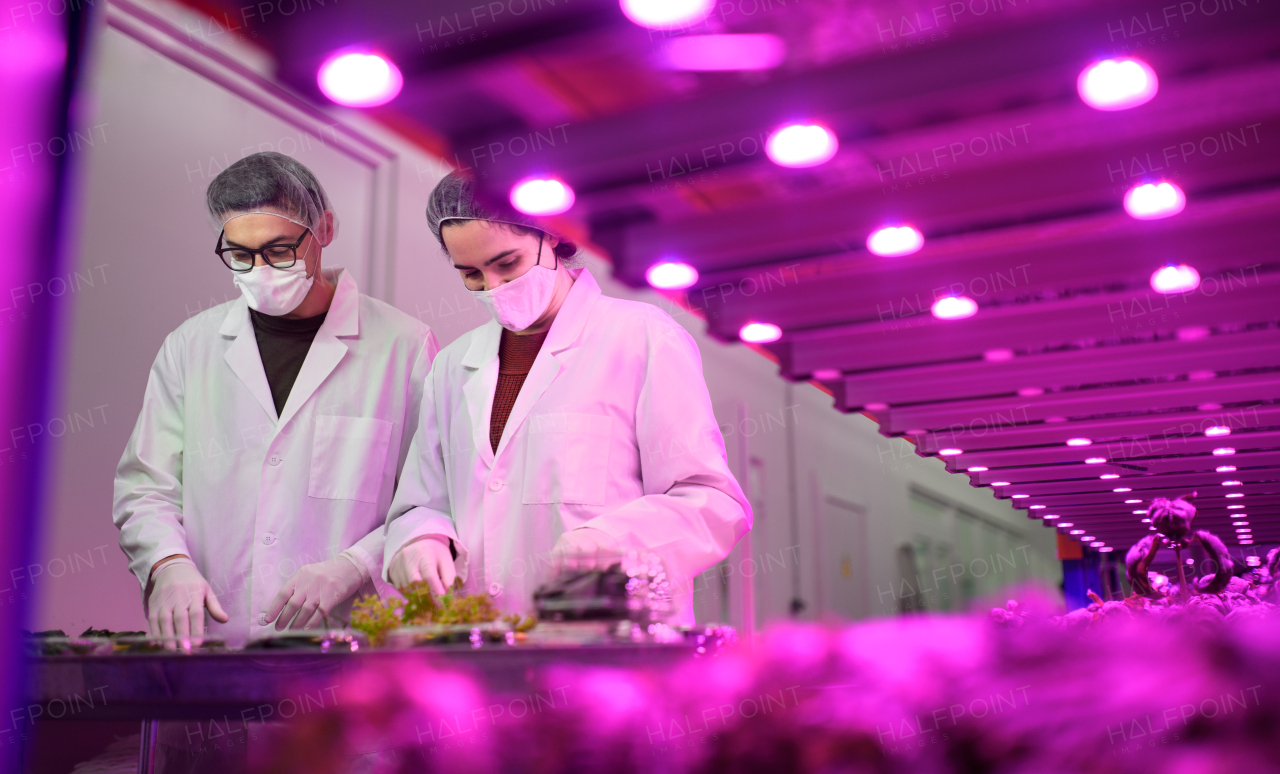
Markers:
<point>417,606</point>
<point>376,616</point>
<point>518,625</point>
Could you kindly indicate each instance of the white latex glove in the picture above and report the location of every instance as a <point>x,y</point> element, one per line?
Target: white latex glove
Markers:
<point>307,599</point>
<point>425,559</point>
<point>585,548</point>
<point>179,596</point>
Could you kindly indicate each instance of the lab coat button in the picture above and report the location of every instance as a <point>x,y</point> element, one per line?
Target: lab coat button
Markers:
<point>268,539</point>
<point>495,589</point>
<point>275,459</point>
<point>495,485</point>
<point>262,619</point>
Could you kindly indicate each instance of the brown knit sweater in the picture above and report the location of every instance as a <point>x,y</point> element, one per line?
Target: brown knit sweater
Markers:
<point>515,357</point>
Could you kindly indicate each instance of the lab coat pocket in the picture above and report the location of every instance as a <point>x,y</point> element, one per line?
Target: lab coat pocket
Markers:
<point>567,459</point>
<point>347,458</point>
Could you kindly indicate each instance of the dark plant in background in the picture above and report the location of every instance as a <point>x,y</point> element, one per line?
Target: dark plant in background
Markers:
<point>1136,564</point>
<point>1172,520</point>
<point>1217,551</point>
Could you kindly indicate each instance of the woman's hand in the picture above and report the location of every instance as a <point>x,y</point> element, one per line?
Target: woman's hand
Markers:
<point>585,548</point>
<point>425,559</point>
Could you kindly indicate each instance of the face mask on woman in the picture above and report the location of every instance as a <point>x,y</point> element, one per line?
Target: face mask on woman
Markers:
<point>520,302</point>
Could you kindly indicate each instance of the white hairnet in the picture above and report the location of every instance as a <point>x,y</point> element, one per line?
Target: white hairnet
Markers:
<point>271,183</point>
<point>453,198</point>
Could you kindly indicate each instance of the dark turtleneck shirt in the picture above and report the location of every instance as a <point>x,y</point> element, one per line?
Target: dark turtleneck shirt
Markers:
<point>283,345</point>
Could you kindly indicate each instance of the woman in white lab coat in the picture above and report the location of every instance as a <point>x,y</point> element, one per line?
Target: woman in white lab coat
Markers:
<point>569,429</point>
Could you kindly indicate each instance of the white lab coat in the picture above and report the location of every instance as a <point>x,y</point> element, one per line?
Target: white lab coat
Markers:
<point>612,429</point>
<point>211,472</point>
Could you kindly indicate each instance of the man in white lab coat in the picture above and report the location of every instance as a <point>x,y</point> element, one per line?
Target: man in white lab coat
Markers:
<point>569,429</point>
<point>273,428</point>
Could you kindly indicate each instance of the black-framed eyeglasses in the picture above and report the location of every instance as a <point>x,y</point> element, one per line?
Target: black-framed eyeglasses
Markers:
<point>242,259</point>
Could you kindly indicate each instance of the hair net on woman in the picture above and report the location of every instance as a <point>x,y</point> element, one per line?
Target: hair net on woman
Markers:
<point>273,183</point>
<point>453,199</point>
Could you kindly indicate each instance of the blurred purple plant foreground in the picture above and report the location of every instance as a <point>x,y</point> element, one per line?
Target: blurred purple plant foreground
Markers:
<point>1132,686</point>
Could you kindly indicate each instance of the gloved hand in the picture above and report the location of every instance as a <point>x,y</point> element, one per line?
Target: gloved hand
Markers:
<point>425,559</point>
<point>585,548</point>
<point>176,604</point>
<point>307,599</point>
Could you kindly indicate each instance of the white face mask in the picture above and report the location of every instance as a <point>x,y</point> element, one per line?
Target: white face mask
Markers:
<point>519,303</point>
<point>275,291</point>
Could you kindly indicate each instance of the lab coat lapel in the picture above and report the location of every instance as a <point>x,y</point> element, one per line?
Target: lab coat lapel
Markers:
<point>243,357</point>
<point>326,350</point>
<point>565,332</point>
<point>544,371</point>
<point>481,362</point>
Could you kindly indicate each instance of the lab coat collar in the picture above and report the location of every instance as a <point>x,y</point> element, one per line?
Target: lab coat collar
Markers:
<point>566,329</point>
<point>482,381</point>
<point>484,345</point>
<point>326,350</point>
<point>344,311</point>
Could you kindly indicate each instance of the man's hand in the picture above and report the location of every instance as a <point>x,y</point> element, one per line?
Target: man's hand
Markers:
<point>425,559</point>
<point>179,596</point>
<point>313,592</point>
<point>585,548</point>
